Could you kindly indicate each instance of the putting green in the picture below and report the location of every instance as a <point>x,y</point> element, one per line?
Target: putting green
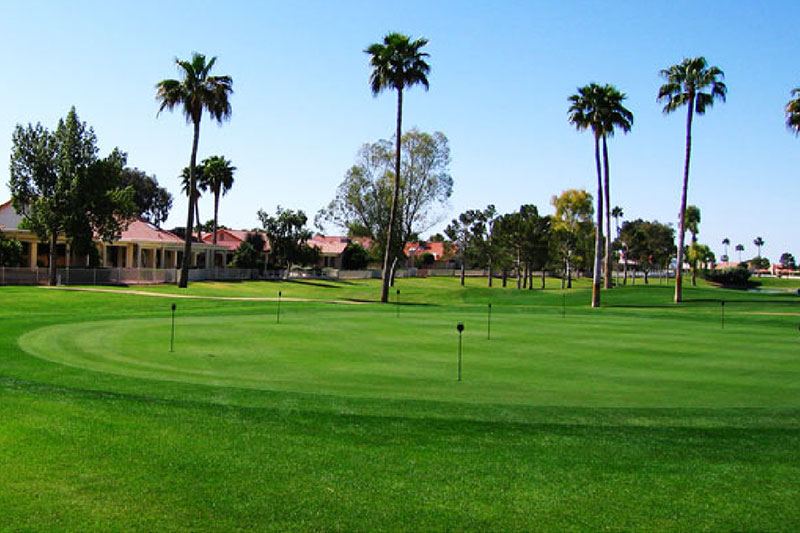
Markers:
<point>614,360</point>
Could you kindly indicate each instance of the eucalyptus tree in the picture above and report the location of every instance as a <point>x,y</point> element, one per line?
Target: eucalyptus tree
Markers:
<point>600,109</point>
<point>695,84</point>
<point>217,178</point>
<point>197,91</point>
<point>759,242</point>
<point>397,63</point>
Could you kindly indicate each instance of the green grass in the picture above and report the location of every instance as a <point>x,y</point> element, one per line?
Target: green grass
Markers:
<point>641,415</point>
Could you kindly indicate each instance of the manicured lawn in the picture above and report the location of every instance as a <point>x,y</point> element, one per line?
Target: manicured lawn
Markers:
<point>641,415</point>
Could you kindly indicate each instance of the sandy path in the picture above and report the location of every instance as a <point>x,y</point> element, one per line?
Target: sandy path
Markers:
<point>195,297</point>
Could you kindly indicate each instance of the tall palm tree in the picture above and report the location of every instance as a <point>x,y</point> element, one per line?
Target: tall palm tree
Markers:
<point>726,242</point>
<point>693,221</point>
<point>617,213</point>
<point>200,188</point>
<point>759,242</point>
<point>740,249</point>
<point>217,178</point>
<point>614,115</point>
<point>600,109</point>
<point>695,84</point>
<point>196,92</point>
<point>397,63</point>
<point>793,112</point>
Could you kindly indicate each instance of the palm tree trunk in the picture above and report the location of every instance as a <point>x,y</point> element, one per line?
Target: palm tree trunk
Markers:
<point>625,268</point>
<point>197,217</point>
<point>187,244</point>
<point>393,212</point>
<point>598,238</point>
<point>607,268</point>
<point>216,211</point>
<point>682,222</point>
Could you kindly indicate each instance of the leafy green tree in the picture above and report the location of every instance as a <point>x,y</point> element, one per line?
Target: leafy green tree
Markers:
<point>288,236</point>
<point>152,201</point>
<point>787,261</point>
<point>759,242</point>
<point>649,243</point>
<point>525,234</point>
<point>572,229</point>
<point>195,92</point>
<point>10,251</point>
<point>364,199</point>
<point>471,232</point>
<point>61,187</point>
<point>397,63</point>
<point>217,177</point>
<point>696,85</point>
<point>759,263</point>
<point>248,254</point>
<point>355,257</point>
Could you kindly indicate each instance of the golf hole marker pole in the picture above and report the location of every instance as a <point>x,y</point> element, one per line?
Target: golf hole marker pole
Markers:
<point>397,302</point>
<point>563,303</point>
<point>489,324</point>
<point>722,308</point>
<point>172,335</point>
<point>460,328</point>
<point>278,315</point>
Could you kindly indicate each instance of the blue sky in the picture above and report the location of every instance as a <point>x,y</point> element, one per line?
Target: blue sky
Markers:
<point>501,73</point>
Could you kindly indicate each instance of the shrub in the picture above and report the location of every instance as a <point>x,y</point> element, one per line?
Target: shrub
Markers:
<point>729,277</point>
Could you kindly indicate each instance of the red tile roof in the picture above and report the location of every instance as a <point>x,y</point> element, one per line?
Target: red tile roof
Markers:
<point>140,230</point>
<point>415,249</point>
<point>329,245</point>
<point>232,238</point>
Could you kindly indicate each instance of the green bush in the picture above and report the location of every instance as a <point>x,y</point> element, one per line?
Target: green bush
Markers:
<point>730,277</point>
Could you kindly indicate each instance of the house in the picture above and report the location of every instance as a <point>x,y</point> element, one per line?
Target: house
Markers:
<point>230,239</point>
<point>141,245</point>
<point>415,251</point>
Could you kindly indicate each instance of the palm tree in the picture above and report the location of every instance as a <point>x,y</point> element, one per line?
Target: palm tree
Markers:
<point>397,63</point>
<point>200,188</point>
<point>726,242</point>
<point>217,178</point>
<point>614,115</point>
<point>195,92</point>
<point>759,242</point>
<point>740,249</point>
<point>600,109</point>
<point>695,84</point>
<point>693,221</point>
<point>617,213</point>
<point>793,112</point>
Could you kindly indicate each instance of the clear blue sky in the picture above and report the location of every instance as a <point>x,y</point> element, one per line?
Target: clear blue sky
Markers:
<point>500,76</point>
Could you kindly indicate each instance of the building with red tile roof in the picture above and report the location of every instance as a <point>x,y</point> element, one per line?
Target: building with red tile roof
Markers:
<point>141,245</point>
